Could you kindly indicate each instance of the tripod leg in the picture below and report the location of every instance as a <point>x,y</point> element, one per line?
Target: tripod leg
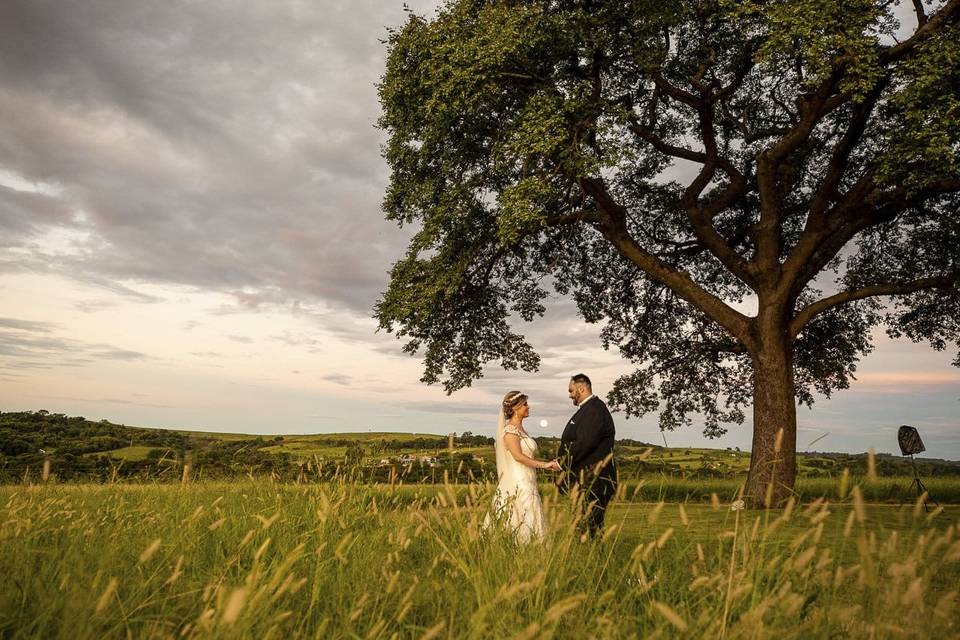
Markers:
<point>930,498</point>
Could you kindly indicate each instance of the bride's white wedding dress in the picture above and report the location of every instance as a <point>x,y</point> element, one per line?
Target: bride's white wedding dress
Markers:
<point>517,501</point>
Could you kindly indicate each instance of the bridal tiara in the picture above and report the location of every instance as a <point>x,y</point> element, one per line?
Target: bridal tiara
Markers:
<point>513,396</point>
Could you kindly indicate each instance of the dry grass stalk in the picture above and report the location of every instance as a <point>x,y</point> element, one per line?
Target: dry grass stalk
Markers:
<point>555,612</point>
<point>672,616</point>
<point>655,512</point>
<point>177,572</point>
<point>433,631</point>
<point>858,507</point>
<point>150,550</point>
<point>234,607</point>
<point>664,537</point>
<point>104,599</point>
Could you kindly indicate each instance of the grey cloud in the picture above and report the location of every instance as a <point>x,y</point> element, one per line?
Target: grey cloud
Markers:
<point>118,354</point>
<point>24,214</point>
<point>29,344</point>
<point>23,345</point>
<point>137,403</point>
<point>295,340</point>
<point>229,148</point>
<point>93,306</point>
<point>338,378</point>
<point>241,339</point>
<point>27,325</point>
<point>263,177</point>
<point>452,407</point>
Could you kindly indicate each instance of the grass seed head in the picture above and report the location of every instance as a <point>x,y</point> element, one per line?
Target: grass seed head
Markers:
<point>844,484</point>
<point>858,506</point>
<point>238,598</point>
<point>671,616</point>
<point>563,606</point>
<point>108,592</point>
<point>149,551</point>
<point>433,631</point>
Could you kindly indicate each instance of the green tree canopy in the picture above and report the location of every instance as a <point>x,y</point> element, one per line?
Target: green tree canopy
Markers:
<point>662,162</point>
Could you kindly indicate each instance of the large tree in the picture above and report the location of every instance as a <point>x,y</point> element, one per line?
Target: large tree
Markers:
<point>674,166</point>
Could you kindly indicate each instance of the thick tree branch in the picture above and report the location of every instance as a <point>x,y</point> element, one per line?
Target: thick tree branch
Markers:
<point>614,228</point>
<point>701,217</point>
<point>820,243</point>
<point>676,93</point>
<point>658,143</point>
<point>810,311</point>
<point>948,12</point>
<point>861,208</point>
<point>812,109</point>
<point>921,14</point>
<point>844,147</point>
<point>573,217</point>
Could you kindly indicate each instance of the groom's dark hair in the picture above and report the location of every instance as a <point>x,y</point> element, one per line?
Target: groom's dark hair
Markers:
<point>581,378</point>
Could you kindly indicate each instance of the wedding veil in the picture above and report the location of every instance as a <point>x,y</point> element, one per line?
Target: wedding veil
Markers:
<point>500,448</point>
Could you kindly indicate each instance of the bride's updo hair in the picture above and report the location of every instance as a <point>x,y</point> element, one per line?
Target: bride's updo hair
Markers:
<point>511,401</point>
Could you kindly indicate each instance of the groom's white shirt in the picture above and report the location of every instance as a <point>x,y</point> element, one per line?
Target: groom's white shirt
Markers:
<point>585,400</point>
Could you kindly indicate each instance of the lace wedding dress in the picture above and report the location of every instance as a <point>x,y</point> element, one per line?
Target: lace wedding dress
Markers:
<point>516,503</point>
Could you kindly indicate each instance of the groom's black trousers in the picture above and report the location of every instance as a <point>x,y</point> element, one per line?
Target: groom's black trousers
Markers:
<point>594,493</point>
<point>597,499</point>
<point>597,496</point>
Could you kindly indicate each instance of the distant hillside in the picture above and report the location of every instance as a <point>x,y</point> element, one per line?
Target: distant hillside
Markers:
<point>78,449</point>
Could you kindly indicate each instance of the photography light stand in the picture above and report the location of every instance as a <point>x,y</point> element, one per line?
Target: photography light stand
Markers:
<point>910,443</point>
<point>921,488</point>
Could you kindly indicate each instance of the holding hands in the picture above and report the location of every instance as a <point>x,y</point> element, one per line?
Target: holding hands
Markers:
<point>553,465</point>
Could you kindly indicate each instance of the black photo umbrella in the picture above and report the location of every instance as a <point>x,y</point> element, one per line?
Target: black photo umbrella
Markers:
<point>910,443</point>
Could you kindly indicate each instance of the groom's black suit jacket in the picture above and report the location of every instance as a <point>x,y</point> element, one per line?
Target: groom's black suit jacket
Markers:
<point>586,450</point>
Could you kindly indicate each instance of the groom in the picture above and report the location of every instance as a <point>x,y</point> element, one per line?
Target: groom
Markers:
<point>586,453</point>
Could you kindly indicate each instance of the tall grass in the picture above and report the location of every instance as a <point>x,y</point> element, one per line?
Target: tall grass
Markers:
<point>894,490</point>
<point>343,560</point>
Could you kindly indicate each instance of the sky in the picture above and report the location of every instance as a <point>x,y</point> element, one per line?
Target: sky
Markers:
<point>191,237</point>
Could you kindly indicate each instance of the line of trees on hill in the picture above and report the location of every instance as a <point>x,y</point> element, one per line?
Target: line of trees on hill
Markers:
<point>78,449</point>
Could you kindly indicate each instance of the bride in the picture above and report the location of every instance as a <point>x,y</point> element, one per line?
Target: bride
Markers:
<point>517,500</point>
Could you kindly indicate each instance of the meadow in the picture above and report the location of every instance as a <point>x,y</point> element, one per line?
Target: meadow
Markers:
<point>257,559</point>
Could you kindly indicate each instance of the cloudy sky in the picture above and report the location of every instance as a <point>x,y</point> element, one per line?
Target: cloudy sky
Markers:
<point>190,237</point>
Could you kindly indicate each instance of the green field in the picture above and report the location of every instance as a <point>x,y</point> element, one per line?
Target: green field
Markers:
<point>263,560</point>
<point>74,449</point>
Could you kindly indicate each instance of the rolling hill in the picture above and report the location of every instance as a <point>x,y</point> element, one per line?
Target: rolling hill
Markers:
<point>78,449</point>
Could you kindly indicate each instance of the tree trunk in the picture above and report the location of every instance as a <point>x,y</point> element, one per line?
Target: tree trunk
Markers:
<point>773,458</point>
